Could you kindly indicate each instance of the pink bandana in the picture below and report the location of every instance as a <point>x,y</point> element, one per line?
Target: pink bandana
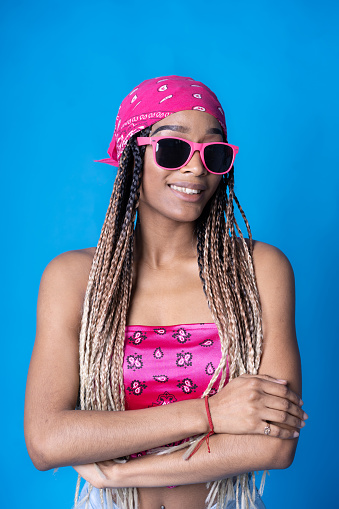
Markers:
<point>155,99</point>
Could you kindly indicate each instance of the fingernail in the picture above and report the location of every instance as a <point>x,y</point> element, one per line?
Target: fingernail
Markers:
<point>305,416</point>
<point>301,402</point>
<point>295,434</point>
<point>302,424</point>
<point>281,381</point>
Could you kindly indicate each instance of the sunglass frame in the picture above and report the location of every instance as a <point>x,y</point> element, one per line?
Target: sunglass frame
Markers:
<point>200,147</point>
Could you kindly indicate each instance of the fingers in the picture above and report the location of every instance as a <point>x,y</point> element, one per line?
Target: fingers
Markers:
<point>277,432</point>
<point>267,377</point>
<point>275,386</point>
<point>281,390</point>
<point>285,405</point>
<point>278,403</point>
<point>280,416</point>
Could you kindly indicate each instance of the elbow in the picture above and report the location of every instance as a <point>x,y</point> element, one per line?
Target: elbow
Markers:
<point>38,456</point>
<point>40,451</point>
<point>283,453</point>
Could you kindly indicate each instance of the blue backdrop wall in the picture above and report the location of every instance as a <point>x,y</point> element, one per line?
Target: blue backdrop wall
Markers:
<point>65,67</point>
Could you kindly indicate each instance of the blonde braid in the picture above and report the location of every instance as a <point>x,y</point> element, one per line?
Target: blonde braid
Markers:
<point>227,274</point>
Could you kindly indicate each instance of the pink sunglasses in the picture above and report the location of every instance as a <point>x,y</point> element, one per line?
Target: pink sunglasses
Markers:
<point>174,153</point>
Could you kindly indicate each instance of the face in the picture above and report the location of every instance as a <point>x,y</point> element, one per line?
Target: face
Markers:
<point>169,192</point>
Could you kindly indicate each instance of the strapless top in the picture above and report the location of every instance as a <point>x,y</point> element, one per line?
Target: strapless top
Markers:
<point>167,364</point>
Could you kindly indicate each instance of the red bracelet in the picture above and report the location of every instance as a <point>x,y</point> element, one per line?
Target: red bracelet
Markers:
<point>207,437</point>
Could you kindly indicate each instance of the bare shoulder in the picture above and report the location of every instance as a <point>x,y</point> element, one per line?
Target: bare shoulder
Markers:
<point>269,261</point>
<point>60,301</point>
<point>71,268</point>
<point>275,280</point>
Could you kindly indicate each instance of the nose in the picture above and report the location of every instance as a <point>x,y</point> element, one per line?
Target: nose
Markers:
<point>195,165</point>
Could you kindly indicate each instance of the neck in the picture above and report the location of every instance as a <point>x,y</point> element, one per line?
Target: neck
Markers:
<point>161,242</point>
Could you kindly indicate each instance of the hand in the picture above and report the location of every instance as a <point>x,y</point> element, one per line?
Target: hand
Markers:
<point>249,402</point>
<point>100,474</point>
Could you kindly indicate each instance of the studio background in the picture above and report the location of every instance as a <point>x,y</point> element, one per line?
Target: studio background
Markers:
<point>65,68</point>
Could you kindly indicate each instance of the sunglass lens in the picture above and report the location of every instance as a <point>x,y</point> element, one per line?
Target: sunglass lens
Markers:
<point>171,153</point>
<point>218,158</point>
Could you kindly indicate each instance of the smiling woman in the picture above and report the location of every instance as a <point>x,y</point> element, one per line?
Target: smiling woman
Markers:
<point>185,193</point>
<point>175,334</point>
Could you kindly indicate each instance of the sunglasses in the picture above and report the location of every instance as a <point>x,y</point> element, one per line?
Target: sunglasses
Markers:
<point>174,153</point>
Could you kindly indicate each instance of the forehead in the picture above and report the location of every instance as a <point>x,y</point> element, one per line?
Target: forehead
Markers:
<point>191,120</point>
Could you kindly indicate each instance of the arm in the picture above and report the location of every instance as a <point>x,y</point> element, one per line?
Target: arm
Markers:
<point>56,434</point>
<point>232,454</point>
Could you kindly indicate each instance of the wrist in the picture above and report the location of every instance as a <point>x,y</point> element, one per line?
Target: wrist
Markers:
<point>201,417</point>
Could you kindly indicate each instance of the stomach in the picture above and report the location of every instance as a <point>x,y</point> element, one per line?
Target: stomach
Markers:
<point>191,496</point>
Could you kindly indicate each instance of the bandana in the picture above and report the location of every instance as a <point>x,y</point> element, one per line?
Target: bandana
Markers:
<point>154,100</point>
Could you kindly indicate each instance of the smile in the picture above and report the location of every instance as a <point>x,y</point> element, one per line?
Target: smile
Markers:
<point>185,190</point>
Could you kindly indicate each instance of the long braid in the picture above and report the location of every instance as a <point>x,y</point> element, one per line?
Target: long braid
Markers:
<point>227,274</point>
<point>226,270</point>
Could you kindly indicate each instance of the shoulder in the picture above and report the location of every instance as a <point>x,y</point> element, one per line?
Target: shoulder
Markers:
<point>275,279</point>
<point>69,269</point>
<point>268,258</point>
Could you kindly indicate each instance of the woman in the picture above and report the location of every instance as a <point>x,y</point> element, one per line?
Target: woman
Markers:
<point>184,324</point>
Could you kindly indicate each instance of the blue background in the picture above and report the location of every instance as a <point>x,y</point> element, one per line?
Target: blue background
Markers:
<point>65,67</point>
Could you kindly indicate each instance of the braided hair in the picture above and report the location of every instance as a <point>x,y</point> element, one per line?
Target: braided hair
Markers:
<point>226,270</point>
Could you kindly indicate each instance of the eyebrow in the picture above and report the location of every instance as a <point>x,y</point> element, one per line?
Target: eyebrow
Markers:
<point>182,129</point>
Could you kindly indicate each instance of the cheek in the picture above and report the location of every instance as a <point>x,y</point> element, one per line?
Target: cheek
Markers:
<point>151,179</point>
<point>214,183</point>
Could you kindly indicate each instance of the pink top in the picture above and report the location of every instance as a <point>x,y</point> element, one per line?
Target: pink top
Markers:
<point>167,364</point>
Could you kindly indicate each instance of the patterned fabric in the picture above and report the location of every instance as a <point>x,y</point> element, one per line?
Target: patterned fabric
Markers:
<point>167,364</point>
<point>154,100</point>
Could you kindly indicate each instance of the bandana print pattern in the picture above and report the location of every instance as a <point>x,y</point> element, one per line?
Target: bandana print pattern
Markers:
<point>165,399</point>
<point>137,338</point>
<point>137,387</point>
<point>181,335</point>
<point>184,359</point>
<point>187,385</point>
<point>159,331</point>
<point>167,364</point>
<point>206,343</point>
<point>154,100</point>
<point>134,362</point>
<point>158,353</point>
<point>209,370</point>
<point>160,378</point>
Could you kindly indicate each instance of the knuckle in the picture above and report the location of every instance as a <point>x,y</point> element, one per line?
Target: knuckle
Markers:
<point>283,416</point>
<point>277,432</point>
<point>252,423</point>
<point>251,410</point>
<point>254,383</point>
<point>285,390</point>
<point>286,404</point>
<point>252,395</point>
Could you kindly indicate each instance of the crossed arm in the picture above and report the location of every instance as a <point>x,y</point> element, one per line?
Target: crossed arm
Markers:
<point>57,435</point>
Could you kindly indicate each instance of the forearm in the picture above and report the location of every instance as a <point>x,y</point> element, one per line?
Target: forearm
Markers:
<point>230,455</point>
<point>72,437</point>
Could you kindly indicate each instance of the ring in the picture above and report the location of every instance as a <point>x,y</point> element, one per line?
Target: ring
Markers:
<point>267,429</point>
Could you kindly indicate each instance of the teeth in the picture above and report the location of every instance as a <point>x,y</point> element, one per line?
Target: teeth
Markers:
<point>186,190</point>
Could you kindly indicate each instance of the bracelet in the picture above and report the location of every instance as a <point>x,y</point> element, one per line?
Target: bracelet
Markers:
<point>206,437</point>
